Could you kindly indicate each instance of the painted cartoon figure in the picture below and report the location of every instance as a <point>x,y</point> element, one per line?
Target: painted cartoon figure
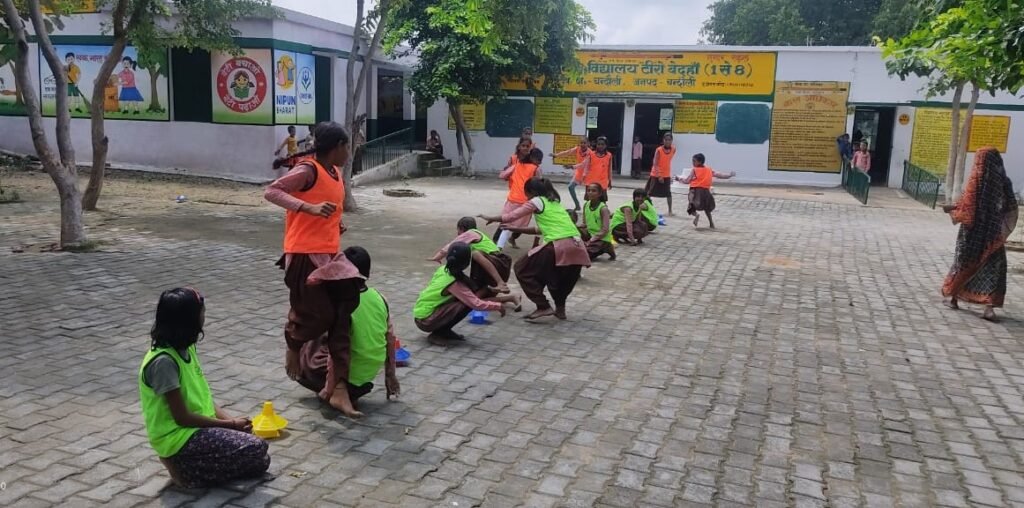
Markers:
<point>285,72</point>
<point>241,85</point>
<point>110,102</point>
<point>130,96</point>
<point>74,74</point>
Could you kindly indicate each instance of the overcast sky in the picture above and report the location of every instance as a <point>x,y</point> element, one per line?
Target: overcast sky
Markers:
<point>638,22</point>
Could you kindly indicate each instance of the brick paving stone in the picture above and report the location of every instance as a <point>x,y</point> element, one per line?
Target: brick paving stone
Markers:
<point>797,356</point>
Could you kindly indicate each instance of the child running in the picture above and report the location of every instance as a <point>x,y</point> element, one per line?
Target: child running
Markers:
<point>596,225</point>
<point>660,183</point>
<point>527,167</point>
<point>597,168</point>
<point>449,297</point>
<point>627,223</point>
<point>313,194</point>
<point>700,179</point>
<point>556,264</point>
<point>581,151</point>
<point>372,343</point>
<point>198,443</point>
<point>491,268</point>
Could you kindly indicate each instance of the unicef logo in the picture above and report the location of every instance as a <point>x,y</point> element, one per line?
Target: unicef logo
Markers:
<point>306,85</point>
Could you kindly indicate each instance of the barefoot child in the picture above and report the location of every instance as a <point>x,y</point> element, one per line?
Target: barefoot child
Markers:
<point>596,225</point>
<point>491,268</point>
<point>628,224</point>
<point>312,194</point>
<point>527,167</point>
<point>372,343</point>
<point>597,168</point>
<point>198,443</point>
<point>581,151</point>
<point>700,179</point>
<point>449,297</point>
<point>660,183</point>
<point>556,264</point>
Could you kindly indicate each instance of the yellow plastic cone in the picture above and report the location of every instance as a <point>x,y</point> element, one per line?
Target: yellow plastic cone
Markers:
<point>268,424</point>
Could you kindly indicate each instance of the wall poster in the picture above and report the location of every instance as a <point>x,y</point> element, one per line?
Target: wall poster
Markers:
<point>807,118</point>
<point>242,87</point>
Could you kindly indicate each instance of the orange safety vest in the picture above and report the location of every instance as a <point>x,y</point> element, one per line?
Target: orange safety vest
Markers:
<point>309,234</point>
<point>663,162</point>
<point>600,170</point>
<point>702,178</point>
<point>523,172</point>
<point>580,157</point>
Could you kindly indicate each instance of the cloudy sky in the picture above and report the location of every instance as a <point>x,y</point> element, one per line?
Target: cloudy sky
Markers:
<point>643,22</point>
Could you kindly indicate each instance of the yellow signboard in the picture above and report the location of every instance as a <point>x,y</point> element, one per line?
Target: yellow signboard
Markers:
<point>552,115</point>
<point>989,131</point>
<point>473,115</point>
<point>807,118</point>
<point>749,73</point>
<point>564,142</point>
<point>696,117</point>
<point>929,147</point>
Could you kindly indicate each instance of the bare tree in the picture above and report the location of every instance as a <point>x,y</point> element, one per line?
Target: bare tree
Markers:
<point>61,166</point>
<point>354,86</point>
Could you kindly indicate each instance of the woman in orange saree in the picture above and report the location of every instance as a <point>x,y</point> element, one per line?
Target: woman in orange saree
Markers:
<point>987,214</point>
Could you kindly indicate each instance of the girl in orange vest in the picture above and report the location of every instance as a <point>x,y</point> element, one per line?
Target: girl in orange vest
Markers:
<point>598,167</point>
<point>527,167</point>
<point>660,183</point>
<point>700,179</point>
<point>312,194</point>
<point>581,151</point>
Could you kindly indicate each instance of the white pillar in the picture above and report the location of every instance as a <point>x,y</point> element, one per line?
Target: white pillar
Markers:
<point>628,125</point>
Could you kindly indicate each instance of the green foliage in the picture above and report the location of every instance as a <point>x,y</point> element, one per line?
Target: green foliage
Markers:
<point>203,24</point>
<point>799,22</point>
<point>465,47</point>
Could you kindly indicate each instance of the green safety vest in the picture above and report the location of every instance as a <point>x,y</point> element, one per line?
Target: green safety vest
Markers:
<point>619,218</point>
<point>433,296</point>
<point>592,218</point>
<point>369,337</point>
<point>650,214</point>
<point>554,222</point>
<point>165,435</point>
<point>485,245</point>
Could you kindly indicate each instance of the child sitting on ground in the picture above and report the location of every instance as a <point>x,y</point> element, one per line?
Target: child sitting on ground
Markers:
<point>198,443</point>
<point>491,268</point>
<point>595,228</point>
<point>628,224</point>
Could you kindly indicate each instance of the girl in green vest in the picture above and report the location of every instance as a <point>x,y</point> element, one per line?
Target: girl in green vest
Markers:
<point>628,224</point>
<point>198,443</point>
<point>595,227</point>
<point>371,345</point>
<point>490,267</point>
<point>556,264</point>
<point>451,295</point>
<point>650,215</point>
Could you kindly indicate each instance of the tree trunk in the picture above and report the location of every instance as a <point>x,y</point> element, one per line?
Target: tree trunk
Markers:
<point>954,142</point>
<point>154,92</point>
<point>100,142</point>
<point>61,170</point>
<point>453,109</point>
<point>965,135</point>
<point>462,133</point>
<point>18,98</point>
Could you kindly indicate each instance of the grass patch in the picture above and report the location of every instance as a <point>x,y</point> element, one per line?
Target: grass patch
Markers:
<point>85,247</point>
<point>9,196</point>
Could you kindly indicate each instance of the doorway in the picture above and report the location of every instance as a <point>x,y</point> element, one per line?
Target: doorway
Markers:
<point>608,124</point>
<point>390,103</point>
<point>875,125</point>
<point>650,123</point>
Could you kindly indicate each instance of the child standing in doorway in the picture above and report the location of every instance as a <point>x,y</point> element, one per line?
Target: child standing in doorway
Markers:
<point>638,155</point>
<point>197,441</point>
<point>660,183</point>
<point>862,158</point>
<point>581,151</point>
<point>700,179</point>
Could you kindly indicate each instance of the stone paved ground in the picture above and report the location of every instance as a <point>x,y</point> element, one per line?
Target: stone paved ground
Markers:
<point>798,356</point>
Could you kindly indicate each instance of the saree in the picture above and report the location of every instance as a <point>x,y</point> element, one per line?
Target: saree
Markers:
<point>987,214</point>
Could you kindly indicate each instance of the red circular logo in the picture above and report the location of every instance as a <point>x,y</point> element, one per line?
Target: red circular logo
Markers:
<point>242,84</point>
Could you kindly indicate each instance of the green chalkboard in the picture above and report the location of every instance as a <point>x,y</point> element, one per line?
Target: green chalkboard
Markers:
<point>743,123</point>
<point>506,119</point>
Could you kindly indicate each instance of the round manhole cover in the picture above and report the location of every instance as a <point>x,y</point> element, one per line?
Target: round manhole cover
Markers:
<point>403,193</point>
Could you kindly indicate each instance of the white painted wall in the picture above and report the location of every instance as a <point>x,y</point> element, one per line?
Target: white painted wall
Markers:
<point>862,67</point>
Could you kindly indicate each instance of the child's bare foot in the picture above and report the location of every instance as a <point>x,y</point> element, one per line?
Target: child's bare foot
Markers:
<point>990,315</point>
<point>517,300</point>
<point>512,244</point>
<point>540,313</point>
<point>291,364</point>
<point>952,303</point>
<point>341,402</point>
<point>695,221</point>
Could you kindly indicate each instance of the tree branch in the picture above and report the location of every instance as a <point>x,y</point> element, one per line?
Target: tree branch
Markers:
<point>64,146</point>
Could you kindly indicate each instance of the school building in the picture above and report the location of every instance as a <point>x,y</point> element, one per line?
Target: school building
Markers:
<point>198,113</point>
<point>771,114</point>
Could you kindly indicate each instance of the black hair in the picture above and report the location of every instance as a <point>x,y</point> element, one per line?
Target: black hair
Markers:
<point>603,196</point>
<point>241,73</point>
<point>458,259</point>
<point>667,135</point>
<point>359,257</point>
<point>178,322</point>
<point>536,156</point>
<point>291,129</point>
<point>699,158</point>
<point>69,55</point>
<point>601,139</point>
<point>133,63</point>
<point>541,187</point>
<point>466,223</point>
<point>639,193</point>
<point>326,137</point>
